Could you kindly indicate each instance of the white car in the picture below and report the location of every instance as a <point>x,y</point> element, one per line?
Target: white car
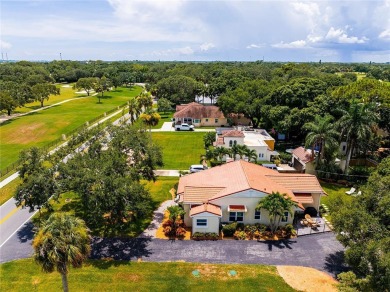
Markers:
<point>184,127</point>
<point>197,168</point>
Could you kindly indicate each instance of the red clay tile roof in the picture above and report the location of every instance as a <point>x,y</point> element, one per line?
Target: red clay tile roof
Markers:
<point>198,111</point>
<point>303,154</point>
<point>304,198</point>
<point>237,208</point>
<point>232,133</point>
<point>207,207</point>
<point>240,175</point>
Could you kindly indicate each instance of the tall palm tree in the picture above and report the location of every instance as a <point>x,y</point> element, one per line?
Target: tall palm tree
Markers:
<point>251,154</point>
<point>144,100</point>
<point>242,149</point>
<point>62,241</point>
<point>356,126</point>
<point>220,152</point>
<point>321,133</point>
<point>276,204</point>
<point>134,109</point>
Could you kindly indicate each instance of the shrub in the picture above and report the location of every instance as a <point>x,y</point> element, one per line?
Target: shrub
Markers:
<point>240,226</point>
<point>229,229</point>
<point>205,236</point>
<point>289,229</point>
<point>261,227</point>
<point>181,232</point>
<point>239,235</point>
<point>168,231</point>
<point>167,223</point>
<point>250,230</point>
<point>257,234</point>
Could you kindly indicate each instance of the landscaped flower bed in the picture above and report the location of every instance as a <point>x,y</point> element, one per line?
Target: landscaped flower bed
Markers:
<point>239,231</point>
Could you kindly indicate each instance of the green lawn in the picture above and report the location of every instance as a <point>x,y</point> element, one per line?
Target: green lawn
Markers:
<point>25,275</point>
<point>334,193</point>
<point>180,149</point>
<point>165,117</point>
<point>8,191</point>
<point>160,188</point>
<point>65,93</point>
<point>40,128</point>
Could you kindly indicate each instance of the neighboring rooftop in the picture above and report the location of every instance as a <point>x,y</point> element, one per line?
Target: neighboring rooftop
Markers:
<point>304,155</point>
<point>198,111</point>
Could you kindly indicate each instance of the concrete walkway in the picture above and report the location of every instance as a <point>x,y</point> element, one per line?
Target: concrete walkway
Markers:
<point>158,216</point>
<point>166,172</point>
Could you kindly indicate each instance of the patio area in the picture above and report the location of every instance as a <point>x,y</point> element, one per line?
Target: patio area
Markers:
<point>320,227</point>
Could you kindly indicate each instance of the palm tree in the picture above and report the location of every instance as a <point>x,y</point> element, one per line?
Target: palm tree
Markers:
<point>242,149</point>
<point>356,126</point>
<point>62,241</point>
<point>321,133</point>
<point>251,154</point>
<point>150,118</point>
<point>276,204</point>
<point>144,100</point>
<point>220,152</point>
<point>234,151</point>
<point>134,110</point>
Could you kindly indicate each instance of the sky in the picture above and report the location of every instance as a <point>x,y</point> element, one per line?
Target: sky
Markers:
<point>196,30</point>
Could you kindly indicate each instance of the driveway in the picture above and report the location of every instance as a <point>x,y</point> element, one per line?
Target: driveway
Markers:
<point>320,251</point>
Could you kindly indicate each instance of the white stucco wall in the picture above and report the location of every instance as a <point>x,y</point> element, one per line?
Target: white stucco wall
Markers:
<point>212,223</point>
<point>250,199</point>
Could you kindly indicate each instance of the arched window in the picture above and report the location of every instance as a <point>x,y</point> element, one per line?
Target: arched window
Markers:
<point>230,143</point>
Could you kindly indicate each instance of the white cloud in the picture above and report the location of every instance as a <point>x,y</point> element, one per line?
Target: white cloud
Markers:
<point>255,46</point>
<point>314,39</point>
<point>308,8</point>
<point>173,52</point>
<point>206,46</point>
<point>293,45</point>
<point>339,36</point>
<point>385,34</point>
<point>5,45</point>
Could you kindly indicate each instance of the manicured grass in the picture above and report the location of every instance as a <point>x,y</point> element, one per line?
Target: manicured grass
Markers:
<point>65,94</point>
<point>334,193</point>
<point>180,149</point>
<point>25,275</point>
<point>159,189</point>
<point>40,128</point>
<point>165,117</point>
<point>8,190</point>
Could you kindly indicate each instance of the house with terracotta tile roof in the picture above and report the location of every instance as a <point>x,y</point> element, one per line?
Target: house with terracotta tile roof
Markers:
<point>255,139</point>
<point>303,160</point>
<point>199,115</point>
<point>231,192</point>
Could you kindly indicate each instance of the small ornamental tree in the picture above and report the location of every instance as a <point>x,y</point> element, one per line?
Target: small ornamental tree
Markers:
<point>276,204</point>
<point>61,242</point>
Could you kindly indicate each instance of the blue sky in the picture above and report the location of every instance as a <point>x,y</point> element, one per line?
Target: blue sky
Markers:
<point>196,30</point>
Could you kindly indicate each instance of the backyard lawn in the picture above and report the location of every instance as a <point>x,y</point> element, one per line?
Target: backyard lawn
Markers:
<point>40,128</point>
<point>180,149</point>
<point>25,275</point>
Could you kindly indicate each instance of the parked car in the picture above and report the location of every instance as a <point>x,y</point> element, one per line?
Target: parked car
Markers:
<point>184,127</point>
<point>197,168</point>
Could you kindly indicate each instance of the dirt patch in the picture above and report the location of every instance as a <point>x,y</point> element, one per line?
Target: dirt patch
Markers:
<point>307,279</point>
